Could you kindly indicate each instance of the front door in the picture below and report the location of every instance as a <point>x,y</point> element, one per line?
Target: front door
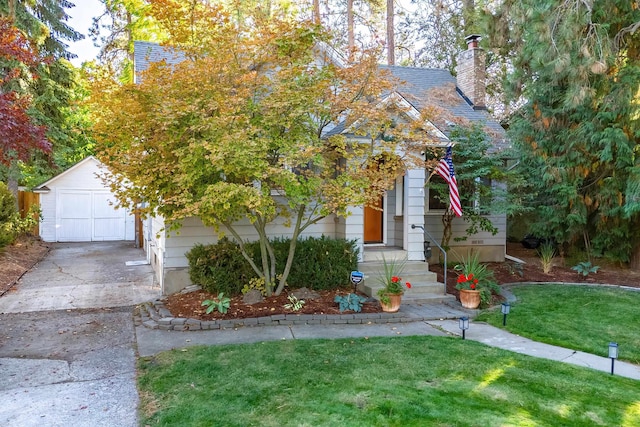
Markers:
<point>373,223</point>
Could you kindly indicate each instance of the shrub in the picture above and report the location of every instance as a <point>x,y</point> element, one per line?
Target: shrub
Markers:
<point>7,214</point>
<point>219,268</point>
<point>11,224</point>
<point>319,264</point>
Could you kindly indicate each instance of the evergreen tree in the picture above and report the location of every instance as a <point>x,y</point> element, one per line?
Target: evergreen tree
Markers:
<point>576,74</point>
<point>53,93</point>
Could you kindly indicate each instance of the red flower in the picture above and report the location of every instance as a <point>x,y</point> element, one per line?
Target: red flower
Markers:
<point>408,285</point>
<point>473,285</point>
<point>395,279</point>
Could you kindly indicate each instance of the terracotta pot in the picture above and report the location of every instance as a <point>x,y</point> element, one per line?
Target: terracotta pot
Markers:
<point>469,298</point>
<point>394,303</point>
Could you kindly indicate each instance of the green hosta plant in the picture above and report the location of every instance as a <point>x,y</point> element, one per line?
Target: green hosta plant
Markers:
<point>295,304</point>
<point>350,302</point>
<point>220,303</point>
<point>585,268</point>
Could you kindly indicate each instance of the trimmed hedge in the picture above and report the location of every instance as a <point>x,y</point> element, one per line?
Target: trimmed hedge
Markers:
<point>319,263</point>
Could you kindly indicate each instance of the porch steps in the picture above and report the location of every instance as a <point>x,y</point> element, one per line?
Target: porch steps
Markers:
<point>424,285</point>
<point>377,254</point>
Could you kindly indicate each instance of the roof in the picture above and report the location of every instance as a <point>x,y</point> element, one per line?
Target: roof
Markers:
<point>43,188</point>
<point>146,53</point>
<point>417,87</point>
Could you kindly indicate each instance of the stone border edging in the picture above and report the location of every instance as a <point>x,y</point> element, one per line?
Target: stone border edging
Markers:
<point>154,315</point>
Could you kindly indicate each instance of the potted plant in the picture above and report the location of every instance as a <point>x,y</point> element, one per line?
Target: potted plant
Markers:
<point>475,282</point>
<point>391,293</point>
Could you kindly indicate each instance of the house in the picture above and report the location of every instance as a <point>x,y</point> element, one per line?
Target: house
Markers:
<point>404,219</point>
<point>78,207</point>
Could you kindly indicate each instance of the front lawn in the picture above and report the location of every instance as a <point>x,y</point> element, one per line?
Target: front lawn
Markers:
<point>400,381</point>
<point>584,318</point>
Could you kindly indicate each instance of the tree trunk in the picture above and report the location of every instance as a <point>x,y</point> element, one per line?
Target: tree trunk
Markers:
<point>350,35</point>
<point>447,219</point>
<point>316,12</point>
<point>634,262</point>
<point>131,53</point>
<point>292,250</point>
<point>391,41</point>
<point>12,11</point>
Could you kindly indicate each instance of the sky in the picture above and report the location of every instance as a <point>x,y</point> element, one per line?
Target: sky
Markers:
<point>81,20</point>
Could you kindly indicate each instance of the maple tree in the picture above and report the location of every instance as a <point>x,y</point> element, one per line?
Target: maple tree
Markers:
<point>241,131</point>
<point>19,135</point>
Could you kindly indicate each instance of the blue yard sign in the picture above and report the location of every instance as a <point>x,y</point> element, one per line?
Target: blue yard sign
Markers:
<point>356,277</point>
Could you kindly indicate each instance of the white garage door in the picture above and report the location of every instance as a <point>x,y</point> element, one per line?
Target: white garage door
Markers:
<point>85,216</point>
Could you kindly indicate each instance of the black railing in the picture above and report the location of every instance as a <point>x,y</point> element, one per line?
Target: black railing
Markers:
<point>413,227</point>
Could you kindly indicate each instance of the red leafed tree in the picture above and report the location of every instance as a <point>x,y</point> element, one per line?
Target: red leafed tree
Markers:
<point>19,135</point>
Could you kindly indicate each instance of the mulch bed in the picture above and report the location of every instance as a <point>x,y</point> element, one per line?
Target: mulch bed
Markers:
<point>18,258</point>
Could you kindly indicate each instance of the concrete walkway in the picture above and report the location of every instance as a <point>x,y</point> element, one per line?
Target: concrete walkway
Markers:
<point>496,337</point>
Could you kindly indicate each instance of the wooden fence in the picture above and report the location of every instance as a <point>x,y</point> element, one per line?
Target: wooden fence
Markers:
<point>27,199</point>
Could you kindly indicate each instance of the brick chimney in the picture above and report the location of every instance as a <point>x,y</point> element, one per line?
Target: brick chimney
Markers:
<point>471,72</point>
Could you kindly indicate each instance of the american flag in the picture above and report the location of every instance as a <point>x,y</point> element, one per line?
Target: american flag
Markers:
<point>445,170</point>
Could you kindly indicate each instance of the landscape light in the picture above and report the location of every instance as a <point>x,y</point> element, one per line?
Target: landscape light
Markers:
<point>613,353</point>
<point>506,307</point>
<point>464,324</point>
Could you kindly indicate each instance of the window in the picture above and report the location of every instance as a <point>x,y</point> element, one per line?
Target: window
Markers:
<point>437,194</point>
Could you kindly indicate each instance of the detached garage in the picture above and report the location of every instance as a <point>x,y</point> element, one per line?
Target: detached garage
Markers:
<point>78,207</point>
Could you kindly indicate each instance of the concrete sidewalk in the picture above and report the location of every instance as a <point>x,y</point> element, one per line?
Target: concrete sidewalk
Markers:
<point>496,337</point>
<point>435,319</point>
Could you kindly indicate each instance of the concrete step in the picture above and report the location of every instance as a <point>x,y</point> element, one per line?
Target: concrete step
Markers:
<point>432,298</point>
<point>410,267</point>
<point>412,271</point>
<point>383,252</point>
<point>424,285</point>
<point>417,288</point>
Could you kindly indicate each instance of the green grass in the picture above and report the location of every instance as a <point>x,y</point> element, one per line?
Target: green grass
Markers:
<point>584,318</point>
<point>400,381</point>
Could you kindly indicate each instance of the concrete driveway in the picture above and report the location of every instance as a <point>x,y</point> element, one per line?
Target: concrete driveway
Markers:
<point>67,341</point>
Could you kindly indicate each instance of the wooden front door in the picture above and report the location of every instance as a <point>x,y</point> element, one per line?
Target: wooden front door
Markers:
<point>373,223</point>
